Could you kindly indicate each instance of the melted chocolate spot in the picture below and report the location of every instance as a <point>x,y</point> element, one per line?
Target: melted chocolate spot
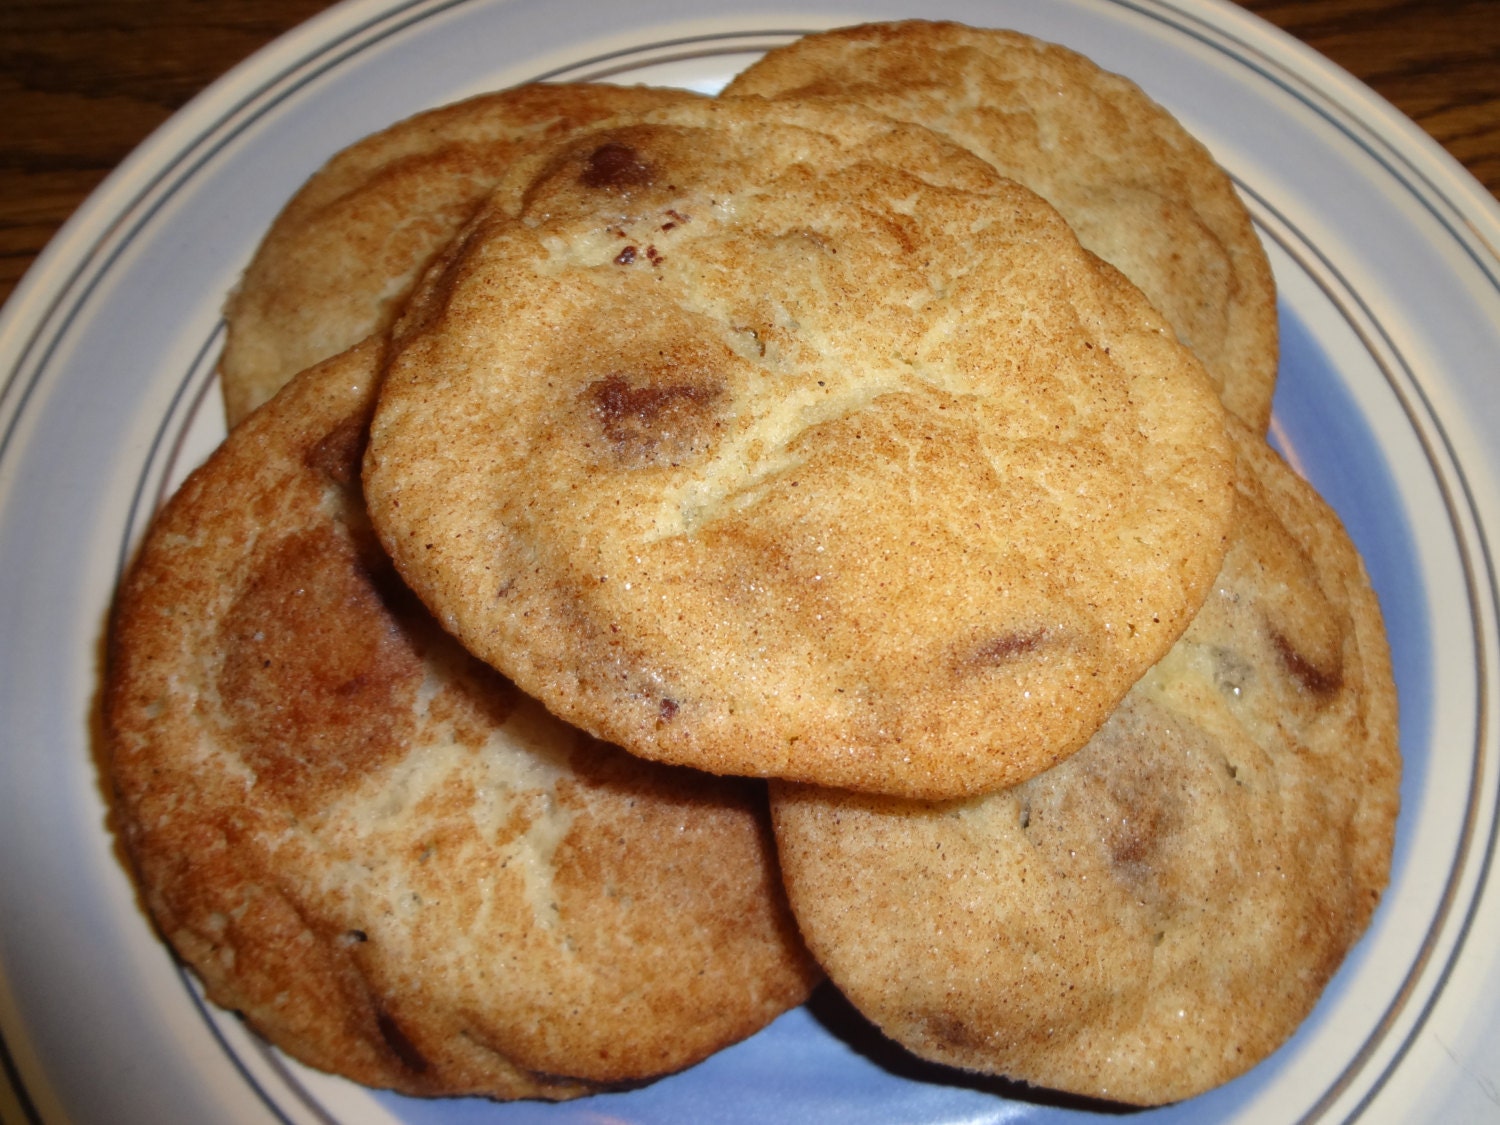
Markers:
<point>1008,647</point>
<point>625,256</point>
<point>668,710</point>
<point>618,402</point>
<point>1320,681</point>
<point>638,419</point>
<point>615,167</point>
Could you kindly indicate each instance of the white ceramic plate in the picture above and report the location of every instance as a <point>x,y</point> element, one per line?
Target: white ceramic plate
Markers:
<point>1385,252</point>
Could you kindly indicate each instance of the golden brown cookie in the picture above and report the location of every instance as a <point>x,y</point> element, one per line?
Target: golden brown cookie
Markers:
<point>788,440</point>
<point>396,866</point>
<point>1140,191</point>
<point>338,261</point>
<point>1158,913</point>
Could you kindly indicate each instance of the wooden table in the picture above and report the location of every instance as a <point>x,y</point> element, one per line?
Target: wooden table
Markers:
<point>82,82</point>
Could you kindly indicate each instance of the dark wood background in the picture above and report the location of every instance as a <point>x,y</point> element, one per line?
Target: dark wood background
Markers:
<point>84,81</point>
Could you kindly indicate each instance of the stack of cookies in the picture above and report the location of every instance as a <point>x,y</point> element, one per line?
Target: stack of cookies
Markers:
<point>670,548</point>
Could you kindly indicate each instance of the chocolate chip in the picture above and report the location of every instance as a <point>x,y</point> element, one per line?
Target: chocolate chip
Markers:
<point>614,167</point>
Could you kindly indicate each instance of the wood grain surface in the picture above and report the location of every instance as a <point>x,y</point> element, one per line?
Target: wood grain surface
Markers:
<point>82,82</point>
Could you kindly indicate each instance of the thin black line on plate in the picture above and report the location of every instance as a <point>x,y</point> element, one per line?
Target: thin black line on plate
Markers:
<point>1418,184</point>
<point>277,1062</point>
<point>633,58</point>
<point>195,994</point>
<point>139,513</point>
<point>1377,343</point>
<point>12,1076</point>
<point>86,276</point>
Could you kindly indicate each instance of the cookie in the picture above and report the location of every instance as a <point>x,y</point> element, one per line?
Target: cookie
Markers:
<point>337,262</point>
<point>1159,912</point>
<point>1140,191</point>
<point>394,864</point>
<point>786,440</point>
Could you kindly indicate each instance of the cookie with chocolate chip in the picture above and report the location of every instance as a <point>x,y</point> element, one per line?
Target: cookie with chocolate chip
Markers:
<point>395,865</point>
<point>1158,913</point>
<point>787,440</point>
<point>1139,189</point>
<point>337,263</point>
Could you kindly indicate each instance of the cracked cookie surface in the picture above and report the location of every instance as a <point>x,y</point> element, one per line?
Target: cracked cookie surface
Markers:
<point>790,441</point>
